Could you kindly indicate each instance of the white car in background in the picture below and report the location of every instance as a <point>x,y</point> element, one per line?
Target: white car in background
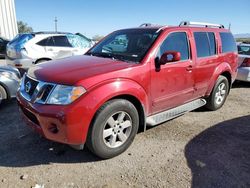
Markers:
<point>28,49</point>
<point>244,62</point>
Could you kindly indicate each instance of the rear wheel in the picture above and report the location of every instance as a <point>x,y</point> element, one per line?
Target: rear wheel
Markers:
<point>114,128</point>
<point>3,94</point>
<point>219,94</point>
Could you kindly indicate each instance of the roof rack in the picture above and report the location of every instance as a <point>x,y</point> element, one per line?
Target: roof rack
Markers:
<point>200,24</point>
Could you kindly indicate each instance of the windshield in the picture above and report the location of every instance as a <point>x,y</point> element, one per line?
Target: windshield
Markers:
<point>245,50</point>
<point>126,45</point>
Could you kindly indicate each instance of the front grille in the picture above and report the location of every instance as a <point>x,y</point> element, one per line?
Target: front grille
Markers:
<point>46,91</point>
<point>34,90</point>
<point>30,116</point>
<point>30,85</point>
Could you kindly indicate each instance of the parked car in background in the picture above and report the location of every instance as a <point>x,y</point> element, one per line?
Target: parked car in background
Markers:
<point>103,97</point>
<point>244,62</point>
<point>9,82</point>
<point>28,49</point>
<point>3,43</point>
<point>88,39</point>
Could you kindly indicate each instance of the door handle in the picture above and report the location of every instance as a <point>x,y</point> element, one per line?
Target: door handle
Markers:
<point>189,68</point>
<point>50,49</point>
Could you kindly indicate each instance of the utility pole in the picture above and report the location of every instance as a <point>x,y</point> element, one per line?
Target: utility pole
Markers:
<point>55,23</point>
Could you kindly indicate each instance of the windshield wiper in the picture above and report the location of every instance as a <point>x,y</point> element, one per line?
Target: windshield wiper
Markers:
<point>100,54</point>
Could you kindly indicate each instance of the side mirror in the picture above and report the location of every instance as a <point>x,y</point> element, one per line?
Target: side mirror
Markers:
<point>170,56</point>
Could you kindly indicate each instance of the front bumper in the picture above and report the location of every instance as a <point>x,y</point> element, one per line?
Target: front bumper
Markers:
<point>243,74</point>
<point>64,124</point>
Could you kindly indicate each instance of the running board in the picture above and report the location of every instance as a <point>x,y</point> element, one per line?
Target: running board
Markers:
<point>174,112</point>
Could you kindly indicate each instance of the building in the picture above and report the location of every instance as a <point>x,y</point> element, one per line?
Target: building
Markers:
<point>8,23</point>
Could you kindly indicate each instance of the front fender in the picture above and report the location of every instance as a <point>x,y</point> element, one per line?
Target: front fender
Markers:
<point>96,96</point>
<point>222,68</point>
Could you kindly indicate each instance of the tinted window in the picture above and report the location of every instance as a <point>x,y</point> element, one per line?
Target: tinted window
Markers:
<point>42,42</point>
<point>245,50</point>
<point>228,42</point>
<point>212,43</point>
<point>202,44</point>
<point>62,41</point>
<point>176,42</point>
<point>50,42</point>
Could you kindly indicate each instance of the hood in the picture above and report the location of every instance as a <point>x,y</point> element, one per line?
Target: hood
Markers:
<point>7,68</point>
<point>71,70</point>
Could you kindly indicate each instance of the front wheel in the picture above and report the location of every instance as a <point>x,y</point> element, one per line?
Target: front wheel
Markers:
<point>219,94</point>
<point>3,94</point>
<point>113,129</point>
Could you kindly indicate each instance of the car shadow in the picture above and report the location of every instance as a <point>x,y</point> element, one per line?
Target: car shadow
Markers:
<point>239,84</point>
<point>21,147</point>
<point>220,155</point>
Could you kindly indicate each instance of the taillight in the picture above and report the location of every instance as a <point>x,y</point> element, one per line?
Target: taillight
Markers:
<point>246,62</point>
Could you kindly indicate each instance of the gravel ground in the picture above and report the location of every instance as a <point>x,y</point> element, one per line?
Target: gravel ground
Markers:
<point>198,149</point>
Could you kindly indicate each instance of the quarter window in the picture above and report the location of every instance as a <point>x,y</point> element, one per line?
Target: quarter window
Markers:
<point>228,43</point>
<point>205,44</point>
<point>176,42</point>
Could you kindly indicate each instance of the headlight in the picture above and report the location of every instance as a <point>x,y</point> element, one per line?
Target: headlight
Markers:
<point>65,94</point>
<point>6,74</point>
<point>9,75</point>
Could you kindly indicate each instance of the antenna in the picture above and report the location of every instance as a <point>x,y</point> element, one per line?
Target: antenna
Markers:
<point>229,26</point>
<point>55,24</point>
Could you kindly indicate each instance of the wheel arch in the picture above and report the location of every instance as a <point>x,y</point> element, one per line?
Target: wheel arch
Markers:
<point>139,106</point>
<point>43,58</point>
<point>6,90</point>
<point>223,69</point>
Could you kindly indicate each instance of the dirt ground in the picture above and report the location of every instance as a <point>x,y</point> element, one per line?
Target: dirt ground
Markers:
<point>198,149</point>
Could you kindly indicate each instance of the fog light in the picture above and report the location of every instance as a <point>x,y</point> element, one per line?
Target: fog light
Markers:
<point>53,128</point>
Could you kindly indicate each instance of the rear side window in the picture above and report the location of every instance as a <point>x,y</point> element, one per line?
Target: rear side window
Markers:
<point>176,42</point>
<point>205,44</point>
<point>202,44</point>
<point>62,41</point>
<point>42,42</point>
<point>228,42</point>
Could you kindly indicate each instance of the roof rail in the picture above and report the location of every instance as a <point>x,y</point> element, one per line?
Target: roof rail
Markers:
<point>145,25</point>
<point>150,25</point>
<point>200,24</point>
<point>50,32</point>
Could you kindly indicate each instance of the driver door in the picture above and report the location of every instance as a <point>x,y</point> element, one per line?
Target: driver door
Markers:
<point>173,84</point>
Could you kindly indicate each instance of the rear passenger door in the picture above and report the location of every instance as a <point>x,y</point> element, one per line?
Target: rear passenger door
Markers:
<point>59,47</point>
<point>206,60</point>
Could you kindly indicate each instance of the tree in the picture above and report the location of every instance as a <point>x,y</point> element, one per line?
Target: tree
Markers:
<point>23,27</point>
<point>97,37</point>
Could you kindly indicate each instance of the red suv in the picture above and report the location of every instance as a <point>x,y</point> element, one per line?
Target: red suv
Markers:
<point>133,78</point>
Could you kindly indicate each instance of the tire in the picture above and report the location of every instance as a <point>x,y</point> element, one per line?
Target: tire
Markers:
<point>3,94</point>
<point>113,129</point>
<point>219,94</point>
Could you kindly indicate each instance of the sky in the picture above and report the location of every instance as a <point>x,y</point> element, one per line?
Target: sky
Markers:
<point>100,17</point>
